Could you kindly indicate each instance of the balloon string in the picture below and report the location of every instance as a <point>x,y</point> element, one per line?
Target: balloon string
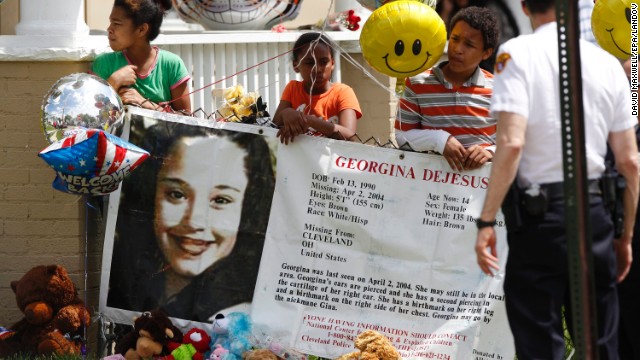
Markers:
<point>165,104</point>
<point>344,54</point>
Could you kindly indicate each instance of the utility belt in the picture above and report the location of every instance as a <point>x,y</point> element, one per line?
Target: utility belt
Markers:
<point>556,190</point>
<point>534,201</point>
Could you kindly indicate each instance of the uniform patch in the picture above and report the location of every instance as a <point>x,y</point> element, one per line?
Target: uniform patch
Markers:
<point>501,62</point>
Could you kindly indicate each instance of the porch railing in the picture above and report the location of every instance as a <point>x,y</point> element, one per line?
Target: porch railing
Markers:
<point>259,60</point>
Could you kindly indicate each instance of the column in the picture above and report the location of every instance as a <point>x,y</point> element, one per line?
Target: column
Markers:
<point>52,18</point>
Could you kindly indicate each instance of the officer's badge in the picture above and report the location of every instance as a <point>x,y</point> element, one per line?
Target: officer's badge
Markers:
<point>501,62</point>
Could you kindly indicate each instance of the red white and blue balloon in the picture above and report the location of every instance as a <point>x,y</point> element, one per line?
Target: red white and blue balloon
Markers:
<point>91,161</point>
<point>237,14</point>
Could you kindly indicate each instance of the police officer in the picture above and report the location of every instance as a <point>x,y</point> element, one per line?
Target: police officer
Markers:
<point>526,102</point>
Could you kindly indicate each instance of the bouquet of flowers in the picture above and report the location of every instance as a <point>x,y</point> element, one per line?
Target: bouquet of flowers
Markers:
<point>344,20</point>
<point>241,106</point>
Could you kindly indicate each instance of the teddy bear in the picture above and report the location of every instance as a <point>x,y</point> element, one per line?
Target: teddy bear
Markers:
<point>195,344</point>
<point>233,333</point>
<point>372,345</point>
<point>218,353</point>
<point>152,333</point>
<point>54,316</point>
<point>259,354</point>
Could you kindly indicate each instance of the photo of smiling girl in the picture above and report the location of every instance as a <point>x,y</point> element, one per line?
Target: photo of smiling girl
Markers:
<point>191,221</point>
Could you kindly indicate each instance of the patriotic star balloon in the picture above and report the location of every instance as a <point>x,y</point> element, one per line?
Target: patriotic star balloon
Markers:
<point>91,161</point>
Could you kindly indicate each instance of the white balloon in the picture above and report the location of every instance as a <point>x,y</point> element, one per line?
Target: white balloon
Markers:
<point>237,14</point>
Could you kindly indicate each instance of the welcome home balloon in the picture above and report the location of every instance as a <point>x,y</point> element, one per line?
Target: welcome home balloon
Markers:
<point>91,161</point>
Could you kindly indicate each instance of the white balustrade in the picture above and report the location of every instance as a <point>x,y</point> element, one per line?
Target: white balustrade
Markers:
<point>224,59</point>
<point>249,58</point>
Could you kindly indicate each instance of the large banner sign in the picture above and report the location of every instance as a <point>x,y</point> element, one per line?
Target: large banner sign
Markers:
<point>358,238</point>
<point>370,238</point>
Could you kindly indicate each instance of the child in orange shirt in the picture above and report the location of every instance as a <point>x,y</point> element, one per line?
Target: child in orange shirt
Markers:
<point>316,106</point>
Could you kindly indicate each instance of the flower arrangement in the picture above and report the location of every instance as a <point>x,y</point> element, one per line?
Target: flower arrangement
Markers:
<point>350,20</point>
<point>279,28</point>
<point>344,20</point>
<point>242,106</point>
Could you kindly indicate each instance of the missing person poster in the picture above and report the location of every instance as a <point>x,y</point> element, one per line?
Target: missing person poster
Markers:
<point>317,240</point>
<point>186,230</point>
<point>362,238</point>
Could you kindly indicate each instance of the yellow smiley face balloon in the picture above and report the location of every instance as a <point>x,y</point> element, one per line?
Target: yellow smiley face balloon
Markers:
<point>374,4</point>
<point>403,38</point>
<point>611,26</point>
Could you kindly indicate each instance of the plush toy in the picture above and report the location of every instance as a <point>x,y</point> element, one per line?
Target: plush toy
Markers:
<point>264,344</point>
<point>152,333</point>
<point>218,353</point>
<point>259,354</point>
<point>239,333</point>
<point>372,345</point>
<point>233,333</point>
<point>54,316</point>
<point>195,344</point>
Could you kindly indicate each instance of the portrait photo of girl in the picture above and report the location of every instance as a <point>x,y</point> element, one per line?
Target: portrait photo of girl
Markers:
<point>191,220</point>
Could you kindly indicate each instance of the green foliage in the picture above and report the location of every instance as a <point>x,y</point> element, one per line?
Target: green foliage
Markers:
<point>568,344</point>
<point>567,337</point>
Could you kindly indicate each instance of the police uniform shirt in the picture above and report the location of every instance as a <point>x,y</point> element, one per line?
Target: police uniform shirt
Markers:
<point>526,83</point>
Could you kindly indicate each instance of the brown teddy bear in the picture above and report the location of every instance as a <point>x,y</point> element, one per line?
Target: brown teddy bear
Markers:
<point>152,334</point>
<point>372,345</point>
<point>54,316</point>
<point>259,354</point>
